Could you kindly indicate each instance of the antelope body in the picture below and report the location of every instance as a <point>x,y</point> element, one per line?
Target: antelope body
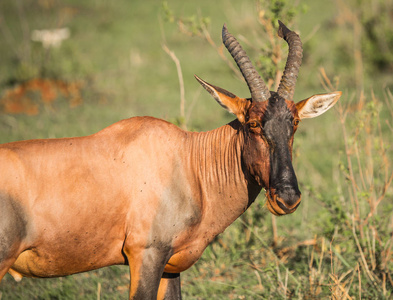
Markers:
<point>145,193</point>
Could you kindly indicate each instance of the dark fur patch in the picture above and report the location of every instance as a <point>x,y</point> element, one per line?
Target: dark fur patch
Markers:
<point>12,225</point>
<point>225,92</point>
<point>278,129</point>
<point>277,108</point>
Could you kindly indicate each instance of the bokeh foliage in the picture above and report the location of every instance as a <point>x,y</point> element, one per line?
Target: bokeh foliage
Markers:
<point>338,244</point>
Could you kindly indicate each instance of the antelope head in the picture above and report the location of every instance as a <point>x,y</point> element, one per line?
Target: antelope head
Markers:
<point>269,121</point>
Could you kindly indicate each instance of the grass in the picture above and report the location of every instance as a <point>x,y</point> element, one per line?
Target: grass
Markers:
<point>337,245</point>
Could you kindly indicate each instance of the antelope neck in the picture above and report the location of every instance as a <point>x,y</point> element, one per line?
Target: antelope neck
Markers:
<point>217,158</point>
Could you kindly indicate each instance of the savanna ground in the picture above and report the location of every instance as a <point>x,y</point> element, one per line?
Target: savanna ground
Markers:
<point>124,58</point>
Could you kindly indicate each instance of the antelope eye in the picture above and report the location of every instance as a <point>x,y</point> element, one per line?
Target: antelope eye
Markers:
<point>253,124</point>
<point>296,122</point>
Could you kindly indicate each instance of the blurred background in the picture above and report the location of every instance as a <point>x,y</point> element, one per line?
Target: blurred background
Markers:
<point>71,68</point>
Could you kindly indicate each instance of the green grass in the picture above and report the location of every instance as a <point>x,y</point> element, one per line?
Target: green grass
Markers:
<point>115,49</point>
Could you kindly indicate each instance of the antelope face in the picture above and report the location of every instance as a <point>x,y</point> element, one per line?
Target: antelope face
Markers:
<point>269,131</point>
<point>270,120</point>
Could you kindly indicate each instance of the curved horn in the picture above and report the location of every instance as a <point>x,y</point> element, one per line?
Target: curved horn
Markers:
<point>258,88</point>
<point>286,89</point>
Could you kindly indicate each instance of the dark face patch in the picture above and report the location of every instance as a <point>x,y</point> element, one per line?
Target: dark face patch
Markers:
<point>269,137</point>
<point>277,122</point>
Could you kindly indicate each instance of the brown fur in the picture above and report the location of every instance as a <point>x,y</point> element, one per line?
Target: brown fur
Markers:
<point>108,198</point>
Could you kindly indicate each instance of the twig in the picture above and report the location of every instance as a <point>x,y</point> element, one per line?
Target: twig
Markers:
<point>99,291</point>
<point>310,277</point>
<point>380,198</point>
<point>286,283</point>
<point>259,279</point>
<point>360,282</point>
<point>181,81</point>
<point>356,149</point>
<point>220,51</point>
<point>351,176</point>
<point>340,286</point>
<point>363,259</point>
<point>311,34</point>
<point>274,229</point>
<point>191,106</point>
<point>326,81</point>
<point>270,250</point>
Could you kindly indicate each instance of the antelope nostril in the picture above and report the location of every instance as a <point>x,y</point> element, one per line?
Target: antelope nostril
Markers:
<point>289,196</point>
<point>288,201</point>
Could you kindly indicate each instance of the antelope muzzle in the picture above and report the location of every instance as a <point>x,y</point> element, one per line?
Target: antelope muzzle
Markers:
<point>284,200</point>
<point>283,194</point>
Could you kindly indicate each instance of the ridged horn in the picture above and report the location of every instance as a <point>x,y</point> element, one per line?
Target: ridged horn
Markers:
<point>258,88</point>
<point>286,89</point>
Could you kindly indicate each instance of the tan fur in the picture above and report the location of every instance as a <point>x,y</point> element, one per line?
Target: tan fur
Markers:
<point>141,191</point>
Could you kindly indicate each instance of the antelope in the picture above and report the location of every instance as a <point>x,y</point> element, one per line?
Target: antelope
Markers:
<point>145,193</point>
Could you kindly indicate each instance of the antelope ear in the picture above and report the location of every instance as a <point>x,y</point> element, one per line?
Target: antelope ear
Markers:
<point>232,103</point>
<point>316,105</point>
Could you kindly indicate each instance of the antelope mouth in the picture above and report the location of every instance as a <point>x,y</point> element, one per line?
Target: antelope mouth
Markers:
<point>277,206</point>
